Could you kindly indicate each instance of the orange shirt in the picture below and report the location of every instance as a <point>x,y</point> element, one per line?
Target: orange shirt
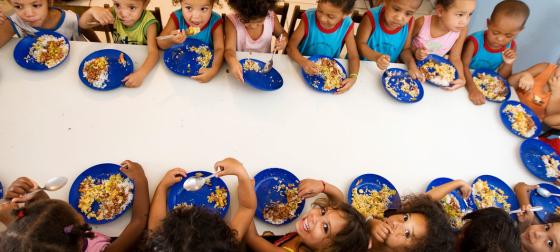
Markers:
<point>538,90</point>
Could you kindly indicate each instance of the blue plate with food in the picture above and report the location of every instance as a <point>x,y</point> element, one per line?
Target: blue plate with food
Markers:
<point>105,69</point>
<point>399,85</point>
<point>453,203</point>
<point>102,193</point>
<point>492,85</point>
<point>253,75</point>
<point>188,58</point>
<point>540,159</point>
<point>1,191</point>
<point>277,196</point>
<point>551,205</point>
<point>214,195</point>
<point>330,77</point>
<point>520,119</point>
<point>438,70</point>
<point>490,191</point>
<point>366,188</point>
<point>45,51</point>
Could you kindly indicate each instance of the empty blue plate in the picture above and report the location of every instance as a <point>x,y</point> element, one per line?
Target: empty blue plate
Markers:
<point>263,81</point>
<point>438,60</point>
<point>392,81</point>
<point>495,183</point>
<point>531,152</point>
<point>317,81</point>
<point>493,74</point>
<point>374,182</point>
<point>549,204</point>
<point>509,125</point>
<point>177,194</point>
<point>182,59</point>
<point>23,57</point>
<point>116,72</point>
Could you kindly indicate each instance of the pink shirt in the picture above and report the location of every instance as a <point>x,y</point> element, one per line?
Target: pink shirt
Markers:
<point>98,243</point>
<point>245,43</point>
<point>440,45</point>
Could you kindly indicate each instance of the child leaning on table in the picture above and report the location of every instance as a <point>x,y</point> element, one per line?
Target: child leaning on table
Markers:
<point>199,229</point>
<point>494,49</point>
<point>250,28</point>
<point>196,20</point>
<point>324,31</point>
<point>133,25</point>
<point>37,15</point>
<point>53,225</point>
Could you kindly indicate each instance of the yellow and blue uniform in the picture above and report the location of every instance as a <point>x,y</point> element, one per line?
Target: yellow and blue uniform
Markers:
<point>383,40</point>
<point>321,41</point>
<point>485,57</point>
<point>205,34</point>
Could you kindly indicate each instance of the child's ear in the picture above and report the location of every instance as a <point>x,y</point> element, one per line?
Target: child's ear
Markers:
<point>488,22</point>
<point>439,10</point>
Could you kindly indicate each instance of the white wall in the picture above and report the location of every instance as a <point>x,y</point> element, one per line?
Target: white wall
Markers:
<point>540,41</point>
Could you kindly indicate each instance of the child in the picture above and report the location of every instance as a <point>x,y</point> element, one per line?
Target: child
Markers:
<point>494,48</point>
<point>196,229</point>
<point>331,225</point>
<point>443,33</point>
<point>384,34</point>
<point>539,88</point>
<point>250,28</point>
<point>132,24</point>
<point>324,31</point>
<point>54,225</point>
<point>35,15</point>
<point>203,24</point>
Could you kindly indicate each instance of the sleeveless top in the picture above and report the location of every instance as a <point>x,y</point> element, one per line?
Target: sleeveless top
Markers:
<point>244,41</point>
<point>67,25</point>
<point>383,40</point>
<point>440,45</point>
<point>205,34</point>
<point>321,41</point>
<point>485,57</point>
<point>541,80</point>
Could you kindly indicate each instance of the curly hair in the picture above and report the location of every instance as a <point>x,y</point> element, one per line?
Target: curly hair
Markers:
<point>251,10</point>
<point>490,229</point>
<point>212,2</point>
<point>512,8</point>
<point>345,5</point>
<point>192,229</point>
<point>440,235</point>
<point>45,225</point>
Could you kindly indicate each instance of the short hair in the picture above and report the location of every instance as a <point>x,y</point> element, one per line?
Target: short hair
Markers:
<point>251,10</point>
<point>175,2</point>
<point>445,3</point>
<point>512,8</point>
<point>490,229</point>
<point>345,5</point>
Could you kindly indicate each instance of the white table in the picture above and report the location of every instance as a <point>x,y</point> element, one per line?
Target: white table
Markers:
<point>51,124</point>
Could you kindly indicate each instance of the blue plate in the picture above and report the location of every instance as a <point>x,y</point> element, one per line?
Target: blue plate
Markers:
<point>25,60</point>
<point>439,60</point>
<point>369,182</point>
<point>97,172</point>
<point>455,193</point>
<point>266,184</point>
<point>117,71</point>
<point>494,74</point>
<point>182,61</point>
<point>549,204</point>
<point>264,81</point>
<point>391,81</point>
<point>508,124</point>
<point>316,81</point>
<point>178,195</point>
<point>496,183</point>
<point>1,191</point>
<point>531,151</point>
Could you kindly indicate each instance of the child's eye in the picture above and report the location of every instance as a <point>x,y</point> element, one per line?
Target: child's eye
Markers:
<point>188,8</point>
<point>407,234</point>
<point>117,5</point>
<point>36,6</point>
<point>325,228</point>
<point>546,227</point>
<point>205,8</point>
<point>495,33</point>
<point>406,217</point>
<point>549,243</point>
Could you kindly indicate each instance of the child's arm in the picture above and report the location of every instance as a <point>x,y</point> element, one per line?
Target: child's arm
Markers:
<point>206,74</point>
<point>294,53</point>
<point>439,192</point>
<point>6,33</point>
<point>235,67</point>
<point>130,236</point>
<point>96,16</point>
<point>135,79</point>
<point>362,36</point>
<point>158,208</point>
<point>245,194</point>
<point>475,95</point>
<point>455,58</point>
<point>353,62</point>
<point>552,117</point>
<point>420,53</point>
<point>505,69</point>
<point>171,28</point>
<point>525,218</point>
<point>257,243</point>
<point>524,80</point>
<point>310,188</point>
<point>408,59</point>
<point>281,36</point>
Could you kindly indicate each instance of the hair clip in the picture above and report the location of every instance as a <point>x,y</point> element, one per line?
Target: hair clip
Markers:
<point>68,229</point>
<point>20,213</point>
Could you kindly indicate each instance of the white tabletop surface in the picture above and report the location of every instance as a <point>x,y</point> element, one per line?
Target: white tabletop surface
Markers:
<point>51,124</point>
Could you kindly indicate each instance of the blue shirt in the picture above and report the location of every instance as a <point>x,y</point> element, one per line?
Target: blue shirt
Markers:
<point>485,57</point>
<point>205,34</point>
<point>383,40</point>
<point>321,41</point>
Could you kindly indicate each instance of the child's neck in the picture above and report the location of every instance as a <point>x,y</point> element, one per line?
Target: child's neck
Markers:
<point>437,27</point>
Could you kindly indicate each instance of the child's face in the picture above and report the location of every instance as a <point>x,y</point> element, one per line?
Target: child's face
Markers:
<point>457,16</point>
<point>32,12</point>
<point>502,30</point>
<point>129,11</point>
<point>197,12</point>
<point>328,14</point>
<point>318,226</point>
<point>540,238</point>
<point>253,24</point>
<point>399,12</point>
<point>406,230</point>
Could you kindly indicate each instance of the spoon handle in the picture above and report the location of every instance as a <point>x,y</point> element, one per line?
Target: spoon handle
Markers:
<point>555,194</point>
<point>532,209</point>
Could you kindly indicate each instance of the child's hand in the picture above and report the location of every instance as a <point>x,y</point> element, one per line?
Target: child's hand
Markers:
<point>102,16</point>
<point>415,74</point>
<point>526,82</point>
<point>380,230</point>
<point>383,62</point>
<point>134,171</point>
<point>20,187</point>
<point>476,97</point>
<point>204,75</point>
<point>180,36</point>
<point>281,43</point>
<point>465,189</point>
<point>346,85</point>
<point>172,177</point>
<point>310,67</point>
<point>509,56</point>
<point>456,84</point>
<point>554,84</point>
<point>526,217</point>
<point>237,71</point>
<point>310,188</point>
<point>134,80</point>
<point>421,53</point>
<point>230,166</point>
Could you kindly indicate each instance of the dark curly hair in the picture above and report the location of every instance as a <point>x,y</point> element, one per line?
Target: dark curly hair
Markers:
<point>45,225</point>
<point>445,3</point>
<point>345,5</point>
<point>251,10</point>
<point>512,8</point>
<point>490,229</point>
<point>192,229</point>
<point>440,235</point>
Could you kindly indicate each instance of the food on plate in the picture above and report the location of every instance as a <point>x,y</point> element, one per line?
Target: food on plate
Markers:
<point>112,196</point>
<point>370,202</point>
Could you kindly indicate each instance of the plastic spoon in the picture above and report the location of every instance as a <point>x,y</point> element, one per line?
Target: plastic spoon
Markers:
<point>195,183</point>
<point>543,192</point>
<point>532,209</point>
